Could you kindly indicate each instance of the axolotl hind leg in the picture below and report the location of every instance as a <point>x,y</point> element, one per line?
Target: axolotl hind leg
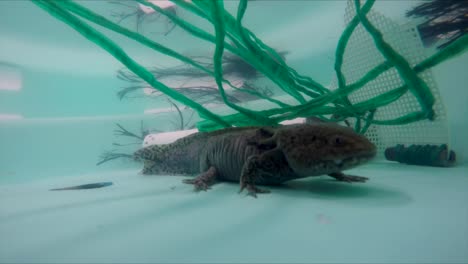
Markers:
<point>204,181</point>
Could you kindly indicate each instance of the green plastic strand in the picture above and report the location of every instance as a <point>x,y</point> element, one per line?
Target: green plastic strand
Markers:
<point>268,62</point>
<point>323,100</point>
<point>120,55</point>
<point>343,42</point>
<point>264,51</point>
<point>193,8</point>
<point>252,58</point>
<point>382,99</point>
<point>341,47</point>
<point>357,125</point>
<point>370,75</point>
<point>184,25</point>
<point>368,120</point>
<point>219,29</point>
<point>406,119</point>
<point>276,64</point>
<point>455,48</point>
<point>417,86</point>
<point>261,48</point>
<point>262,60</point>
<point>102,21</point>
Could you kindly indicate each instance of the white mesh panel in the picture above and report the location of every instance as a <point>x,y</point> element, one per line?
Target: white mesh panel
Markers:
<point>362,55</point>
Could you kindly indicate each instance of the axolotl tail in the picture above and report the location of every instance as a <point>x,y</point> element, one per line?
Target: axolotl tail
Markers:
<point>175,158</point>
<point>150,156</point>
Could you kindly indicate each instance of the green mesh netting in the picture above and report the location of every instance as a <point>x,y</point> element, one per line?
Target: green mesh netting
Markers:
<point>312,98</point>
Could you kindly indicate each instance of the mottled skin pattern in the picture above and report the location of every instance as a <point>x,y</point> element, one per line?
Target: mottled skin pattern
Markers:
<point>261,155</point>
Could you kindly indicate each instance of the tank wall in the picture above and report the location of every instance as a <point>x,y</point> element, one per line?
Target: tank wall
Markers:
<point>69,106</point>
<point>452,80</point>
<point>41,148</point>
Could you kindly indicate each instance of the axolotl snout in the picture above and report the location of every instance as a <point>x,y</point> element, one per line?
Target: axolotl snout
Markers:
<point>261,155</point>
<point>312,150</point>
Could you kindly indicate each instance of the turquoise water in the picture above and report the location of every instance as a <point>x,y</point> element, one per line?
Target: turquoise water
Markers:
<point>58,114</point>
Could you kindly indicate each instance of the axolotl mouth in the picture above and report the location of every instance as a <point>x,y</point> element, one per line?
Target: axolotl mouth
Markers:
<point>351,162</point>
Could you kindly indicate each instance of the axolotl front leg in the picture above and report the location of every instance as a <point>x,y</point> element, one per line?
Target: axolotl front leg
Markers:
<point>265,168</point>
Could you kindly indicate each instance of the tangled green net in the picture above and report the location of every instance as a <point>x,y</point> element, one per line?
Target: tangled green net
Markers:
<point>312,98</point>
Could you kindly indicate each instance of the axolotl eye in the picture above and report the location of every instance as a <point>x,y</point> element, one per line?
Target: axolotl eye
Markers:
<point>337,141</point>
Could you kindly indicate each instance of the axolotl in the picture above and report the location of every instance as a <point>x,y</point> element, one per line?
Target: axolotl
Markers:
<point>260,155</point>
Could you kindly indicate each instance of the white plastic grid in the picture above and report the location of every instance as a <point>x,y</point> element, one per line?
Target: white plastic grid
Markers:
<point>362,55</point>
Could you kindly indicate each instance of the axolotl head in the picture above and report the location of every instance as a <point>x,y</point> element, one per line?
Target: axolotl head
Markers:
<point>321,148</point>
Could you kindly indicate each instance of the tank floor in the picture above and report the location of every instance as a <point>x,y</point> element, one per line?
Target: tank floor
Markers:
<point>403,214</point>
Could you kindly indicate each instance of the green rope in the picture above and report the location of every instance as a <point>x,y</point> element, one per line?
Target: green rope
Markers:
<point>340,49</point>
<point>219,29</point>
<point>247,46</point>
<point>458,46</point>
<point>416,85</point>
<point>368,120</point>
<point>102,21</point>
<point>382,99</point>
<point>120,55</point>
<point>252,58</point>
<point>403,120</point>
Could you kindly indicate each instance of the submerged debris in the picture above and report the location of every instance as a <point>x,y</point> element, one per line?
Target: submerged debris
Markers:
<point>84,186</point>
<point>426,155</point>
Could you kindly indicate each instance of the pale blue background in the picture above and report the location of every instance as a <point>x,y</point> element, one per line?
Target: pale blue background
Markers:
<point>405,214</point>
